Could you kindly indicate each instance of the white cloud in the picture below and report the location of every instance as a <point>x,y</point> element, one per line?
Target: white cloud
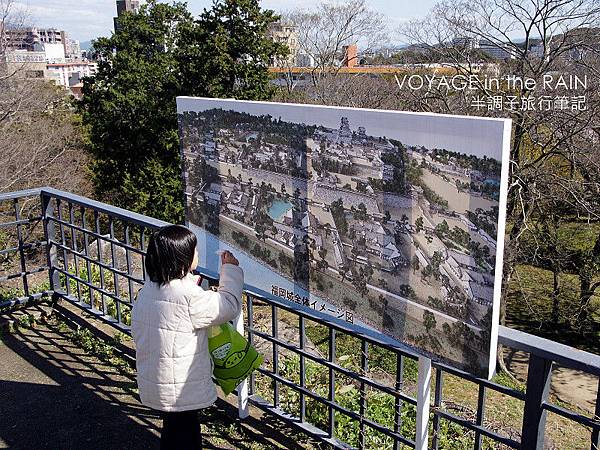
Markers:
<point>87,19</point>
<point>82,19</point>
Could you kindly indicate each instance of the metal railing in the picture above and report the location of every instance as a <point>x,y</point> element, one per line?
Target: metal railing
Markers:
<point>94,256</point>
<point>20,235</point>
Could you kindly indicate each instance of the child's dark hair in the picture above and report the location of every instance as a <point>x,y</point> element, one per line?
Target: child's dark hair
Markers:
<point>170,253</point>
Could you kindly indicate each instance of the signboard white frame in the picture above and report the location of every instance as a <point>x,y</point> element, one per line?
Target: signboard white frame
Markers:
<point>359,142</point>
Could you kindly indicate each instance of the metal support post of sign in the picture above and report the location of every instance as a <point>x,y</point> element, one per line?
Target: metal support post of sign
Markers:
<point>423,400</point>
<point>242,389</point>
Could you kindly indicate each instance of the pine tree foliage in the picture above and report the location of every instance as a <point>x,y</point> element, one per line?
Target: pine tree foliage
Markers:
<point>159,53</point>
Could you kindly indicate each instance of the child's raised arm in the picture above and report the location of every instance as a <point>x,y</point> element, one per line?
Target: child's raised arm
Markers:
<point>208,308</point>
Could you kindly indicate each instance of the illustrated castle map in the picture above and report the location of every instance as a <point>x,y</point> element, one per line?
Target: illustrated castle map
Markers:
<point>402,236</point>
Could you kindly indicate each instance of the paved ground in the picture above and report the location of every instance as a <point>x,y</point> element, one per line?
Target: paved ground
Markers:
<point>55,396</point>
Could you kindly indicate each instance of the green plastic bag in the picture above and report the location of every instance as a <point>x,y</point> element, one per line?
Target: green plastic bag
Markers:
<point>233,357</point>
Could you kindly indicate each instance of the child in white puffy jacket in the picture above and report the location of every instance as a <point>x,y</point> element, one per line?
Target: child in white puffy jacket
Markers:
<point>169,324</point>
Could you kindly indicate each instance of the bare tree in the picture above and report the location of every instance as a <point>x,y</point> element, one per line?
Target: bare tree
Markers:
<point>345,89</point>
<point>326,29</point>
<point>41,140</point>
<point>324,32</point>
<point>41,144</point>
<point>554,151</point>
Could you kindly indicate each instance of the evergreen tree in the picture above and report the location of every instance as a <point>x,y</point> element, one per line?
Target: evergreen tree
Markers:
<point>157,54</point>
<point>230,40</point>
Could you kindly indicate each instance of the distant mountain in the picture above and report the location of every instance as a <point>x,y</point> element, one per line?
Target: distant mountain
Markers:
<point>85,45</point>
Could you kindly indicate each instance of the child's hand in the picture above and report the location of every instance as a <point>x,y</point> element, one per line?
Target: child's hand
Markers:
<point>228,258</point>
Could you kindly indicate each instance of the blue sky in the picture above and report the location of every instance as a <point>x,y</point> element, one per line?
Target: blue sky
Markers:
<point>87,19</point>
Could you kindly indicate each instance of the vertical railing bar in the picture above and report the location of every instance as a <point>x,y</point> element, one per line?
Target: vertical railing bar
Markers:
<point>331,382</point>
<point>596,433</point>
<point>88,265</point>
<point>301,327</point>
<point>64,249</point>
<point>242,388</point>
<point>364,365</point>
<point>21,249</point>
<point>113,266</point>
<point>142,248</point>
<point>539,374</point>
<point>274,326</point>
<point>75,249</point>
<point>128,261</point>
<point>249,300</point>
<point>99,247</point>
<point>398,403</point>
<point>423,403</point>
<point>480,416</point>
<point>437,404</point>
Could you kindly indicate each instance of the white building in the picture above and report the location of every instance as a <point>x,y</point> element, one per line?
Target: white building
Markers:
<point>467,43</point>
<point>495,50</point>
<point>72,49</point>
<point>69,73</point>
<point>303,59</point>
<point>286,34</point>
<point>55,53</point>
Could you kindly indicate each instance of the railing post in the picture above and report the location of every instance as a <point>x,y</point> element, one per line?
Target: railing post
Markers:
<point>22,259</point>
<point>50,235</point>
<point>423,398</point>
<point>534,415</point>
<point>242,389</point>
<point>596,432</point>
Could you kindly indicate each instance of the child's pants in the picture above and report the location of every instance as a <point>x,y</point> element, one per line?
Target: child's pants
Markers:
<point>181,431</point>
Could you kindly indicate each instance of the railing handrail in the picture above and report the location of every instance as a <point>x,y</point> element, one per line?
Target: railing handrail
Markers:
<point>121,213</point>
<point>19,194</point>
<point>564,355</point>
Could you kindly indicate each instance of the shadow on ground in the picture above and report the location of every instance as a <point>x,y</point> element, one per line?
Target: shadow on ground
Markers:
<point>55,396</point>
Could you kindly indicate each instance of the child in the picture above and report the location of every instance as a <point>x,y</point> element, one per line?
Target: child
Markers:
<point>169,324</point>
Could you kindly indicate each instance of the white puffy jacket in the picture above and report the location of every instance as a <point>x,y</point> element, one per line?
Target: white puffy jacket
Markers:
<point>169,327</point>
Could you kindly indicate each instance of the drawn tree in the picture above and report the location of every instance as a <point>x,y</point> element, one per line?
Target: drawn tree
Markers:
<point>429,321</point>
<point>419,224</point>
<point>415,264</point>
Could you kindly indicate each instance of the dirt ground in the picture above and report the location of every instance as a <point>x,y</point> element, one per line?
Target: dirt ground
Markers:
<point>568,385</point>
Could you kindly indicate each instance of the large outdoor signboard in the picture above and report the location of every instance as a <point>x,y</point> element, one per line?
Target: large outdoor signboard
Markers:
<point>390,219</point>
